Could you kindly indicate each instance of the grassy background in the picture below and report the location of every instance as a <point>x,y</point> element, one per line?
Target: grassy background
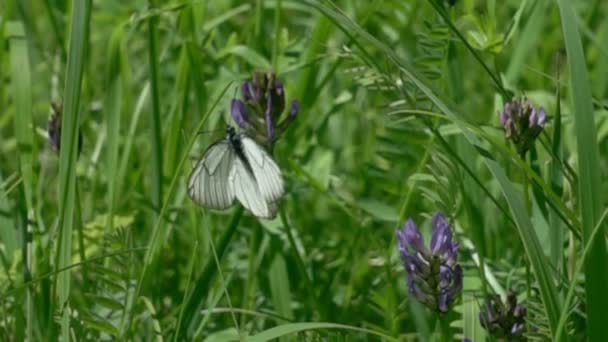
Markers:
<point>398,119</point>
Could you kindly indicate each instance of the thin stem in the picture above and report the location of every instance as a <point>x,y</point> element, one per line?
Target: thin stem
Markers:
<point>299,259</point>
<point>277,35</point>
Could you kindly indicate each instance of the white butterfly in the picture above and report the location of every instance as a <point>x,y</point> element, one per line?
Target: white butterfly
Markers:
<point>237,167</point>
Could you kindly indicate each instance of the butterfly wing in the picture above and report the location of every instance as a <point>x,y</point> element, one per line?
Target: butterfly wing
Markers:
<point>209,183</point>
<point>266,172</point>
<point>247,191</point>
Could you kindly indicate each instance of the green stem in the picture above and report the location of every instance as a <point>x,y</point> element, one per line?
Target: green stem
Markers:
<point>444,328</point>
<point>526,185</point>
<point>277,35</point>
<point>299,260</point>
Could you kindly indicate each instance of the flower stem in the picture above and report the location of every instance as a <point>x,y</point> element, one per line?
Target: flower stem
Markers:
<point>526,185</point>
<point>444,328</point>
<point>277,35</point>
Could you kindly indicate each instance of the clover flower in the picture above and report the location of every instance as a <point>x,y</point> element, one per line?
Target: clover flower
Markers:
<point>504,321</point>
<point>434,276</point>
<point>522,123</point>
<point>261,112</point>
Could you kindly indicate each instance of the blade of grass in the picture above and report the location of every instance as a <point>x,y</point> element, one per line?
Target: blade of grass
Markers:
<point>578,270</point>
<point>157,143</point>
<point>556,180</point>
<point>590,185</point>
<point>113,105</point>
<point>24,132</point>
<point>67,159</point>
<point>292,328</point>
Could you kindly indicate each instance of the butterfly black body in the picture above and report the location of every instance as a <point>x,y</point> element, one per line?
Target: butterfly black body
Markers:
<point>235,140</point>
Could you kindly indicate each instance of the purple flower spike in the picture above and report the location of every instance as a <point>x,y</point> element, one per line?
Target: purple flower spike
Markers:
<point>504,320</point>
<point>239,113</point>
<point>522,123</point>
<point>262,111</point>
<point>434,277</point>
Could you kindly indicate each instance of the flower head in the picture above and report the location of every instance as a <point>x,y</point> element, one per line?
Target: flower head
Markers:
<point>262,110</point>
<point>504,320</point>
<point>522,123</point>
<point>434,277</point>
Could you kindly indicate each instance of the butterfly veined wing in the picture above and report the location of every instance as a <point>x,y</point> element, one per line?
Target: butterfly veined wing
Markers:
<point>266,172</point>
<point>209,183</point>
<point>247,191</point>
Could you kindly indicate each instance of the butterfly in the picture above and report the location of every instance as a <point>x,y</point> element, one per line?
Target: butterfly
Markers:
<point>237,167</point>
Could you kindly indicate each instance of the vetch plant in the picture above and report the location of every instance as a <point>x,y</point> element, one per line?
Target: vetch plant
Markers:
<point>434,276</point>
<point>261,112</point>
<point>522,123</point>
<point>504,321</point>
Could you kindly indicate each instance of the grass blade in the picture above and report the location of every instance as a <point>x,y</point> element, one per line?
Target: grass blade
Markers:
<point>589,191</point>
<point>157,144</point>
<point>67,159</point>
<point>22,94</point>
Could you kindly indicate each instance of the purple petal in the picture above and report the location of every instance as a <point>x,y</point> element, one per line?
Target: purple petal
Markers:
<point>414,238</point>
<point>238,111</point>
<point>295,108</point>
<point>542,117</point>
<point>520,311</point>
<point>278,88</point>
<point>442,235</point>
<point>247,90</point>
<point>444,302</point>
<point>269,122</point>
<point>503,118</point>
<point>445,276</point>
<point>532,118</point>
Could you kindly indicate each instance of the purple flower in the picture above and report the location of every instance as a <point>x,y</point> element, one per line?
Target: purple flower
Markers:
<point>504,320</point>
<point>522,123</point>
<point>262,110</point>
<point>434,277</point>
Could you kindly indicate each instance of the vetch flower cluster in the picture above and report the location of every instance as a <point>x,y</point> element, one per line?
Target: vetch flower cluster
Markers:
<point>522,123</point>
<point>261,112</point>
<point>504,321</point>
<point>434,276</point>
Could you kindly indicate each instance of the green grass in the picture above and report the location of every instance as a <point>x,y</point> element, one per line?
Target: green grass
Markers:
<point>398,104</point>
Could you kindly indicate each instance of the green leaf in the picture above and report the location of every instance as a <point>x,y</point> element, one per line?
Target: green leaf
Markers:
<point>279,287</point>
<point>379,210</point>
<point>248,54</point>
